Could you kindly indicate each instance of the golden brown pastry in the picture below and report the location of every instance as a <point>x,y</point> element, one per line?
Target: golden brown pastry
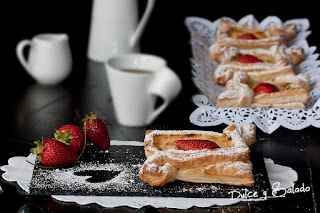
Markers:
<point>261,64</point>
<point>222,158</point>
<point>256,66</point>
<point>284,91</point>
<point>230,33</point>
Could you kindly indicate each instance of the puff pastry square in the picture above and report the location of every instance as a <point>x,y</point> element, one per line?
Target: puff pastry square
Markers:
<point>229,164</point>
<point>229,34</point>
<point>292,92</point>
<point>275,61</point>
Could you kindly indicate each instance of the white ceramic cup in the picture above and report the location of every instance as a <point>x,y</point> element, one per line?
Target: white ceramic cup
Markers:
<point>136,81</point>
<point>49,60</point>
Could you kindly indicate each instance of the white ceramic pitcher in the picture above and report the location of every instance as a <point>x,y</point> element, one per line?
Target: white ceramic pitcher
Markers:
<point>49,59</point>
<point>115,28</point>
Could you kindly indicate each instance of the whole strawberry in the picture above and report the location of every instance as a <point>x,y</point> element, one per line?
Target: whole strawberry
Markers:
<point>96,131</point>
<point>51,153</point>
<point>71,135</point>
<point>195,144</point>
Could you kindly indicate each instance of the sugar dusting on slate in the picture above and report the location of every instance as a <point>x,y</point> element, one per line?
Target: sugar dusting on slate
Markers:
<point>115,173</point>
<point>69,179</point>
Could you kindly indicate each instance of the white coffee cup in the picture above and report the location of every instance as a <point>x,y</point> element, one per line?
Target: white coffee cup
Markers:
<point>136,80</point>
<point>49,59</point>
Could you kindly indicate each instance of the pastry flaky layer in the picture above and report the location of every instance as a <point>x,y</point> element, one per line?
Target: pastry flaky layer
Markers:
<point>257,67</point>
<point>229,32</point>
<point>275,61</point>
<point>229,164</point>
<point>292,92</point>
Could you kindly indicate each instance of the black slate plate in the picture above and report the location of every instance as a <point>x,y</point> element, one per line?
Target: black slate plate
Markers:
<point>115,173</point>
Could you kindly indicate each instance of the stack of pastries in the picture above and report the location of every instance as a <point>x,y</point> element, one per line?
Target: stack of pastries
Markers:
<point>257,66</point>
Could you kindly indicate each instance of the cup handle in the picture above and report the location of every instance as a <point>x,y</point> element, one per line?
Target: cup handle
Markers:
<point>19,51</point>
<point>145,17</point>
<point>166,85</point>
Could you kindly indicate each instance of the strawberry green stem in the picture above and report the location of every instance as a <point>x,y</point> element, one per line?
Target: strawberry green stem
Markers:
<point>85,140</point>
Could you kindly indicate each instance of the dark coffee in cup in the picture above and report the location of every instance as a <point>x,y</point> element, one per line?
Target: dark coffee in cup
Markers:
<point>137,71</point>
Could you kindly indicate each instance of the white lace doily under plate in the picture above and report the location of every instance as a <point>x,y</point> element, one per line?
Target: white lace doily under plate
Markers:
<point>267,119</point>
<point>18,170</point>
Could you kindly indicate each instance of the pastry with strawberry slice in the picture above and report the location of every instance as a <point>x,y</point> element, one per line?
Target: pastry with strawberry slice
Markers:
<point>71,135</point>
<point>52,153</point>
<point>260,64</point>
<point>96,131</point>
<point>199,156</point>
<point>229,33</point>
<point>285,91</point>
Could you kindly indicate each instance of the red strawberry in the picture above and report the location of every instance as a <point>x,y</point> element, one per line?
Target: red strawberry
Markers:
<point>51,153</point>
<point>248,59</point>
<point>96,131</point>
<point>265,88</point>
<point>247,36</point>
<point>195,144</point>
<point>71,135</point>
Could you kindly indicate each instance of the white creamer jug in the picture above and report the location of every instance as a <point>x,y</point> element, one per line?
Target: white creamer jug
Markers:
<point>115,28</point>
<point>49,58</point>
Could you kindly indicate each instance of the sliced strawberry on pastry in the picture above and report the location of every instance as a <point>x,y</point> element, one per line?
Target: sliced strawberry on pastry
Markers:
<point>265,88</point>
<point>248,59</point>
<point>195,144</point>
<point>247,36</point>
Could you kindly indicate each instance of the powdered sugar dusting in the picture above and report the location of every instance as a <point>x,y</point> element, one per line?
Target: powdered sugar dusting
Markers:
<point>124,163</point>
<point>239,166</point>
<point>162,165</point>
<point>246,131</point>
<point>67,180</point>
<point>229,94</point>
<point>239,146</point>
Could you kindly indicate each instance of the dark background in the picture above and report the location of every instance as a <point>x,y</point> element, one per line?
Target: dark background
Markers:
<point>165,35</point>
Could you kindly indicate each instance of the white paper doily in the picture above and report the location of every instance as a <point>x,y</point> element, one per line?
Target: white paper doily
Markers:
<point>18,170</point>
<point>267,119</point>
